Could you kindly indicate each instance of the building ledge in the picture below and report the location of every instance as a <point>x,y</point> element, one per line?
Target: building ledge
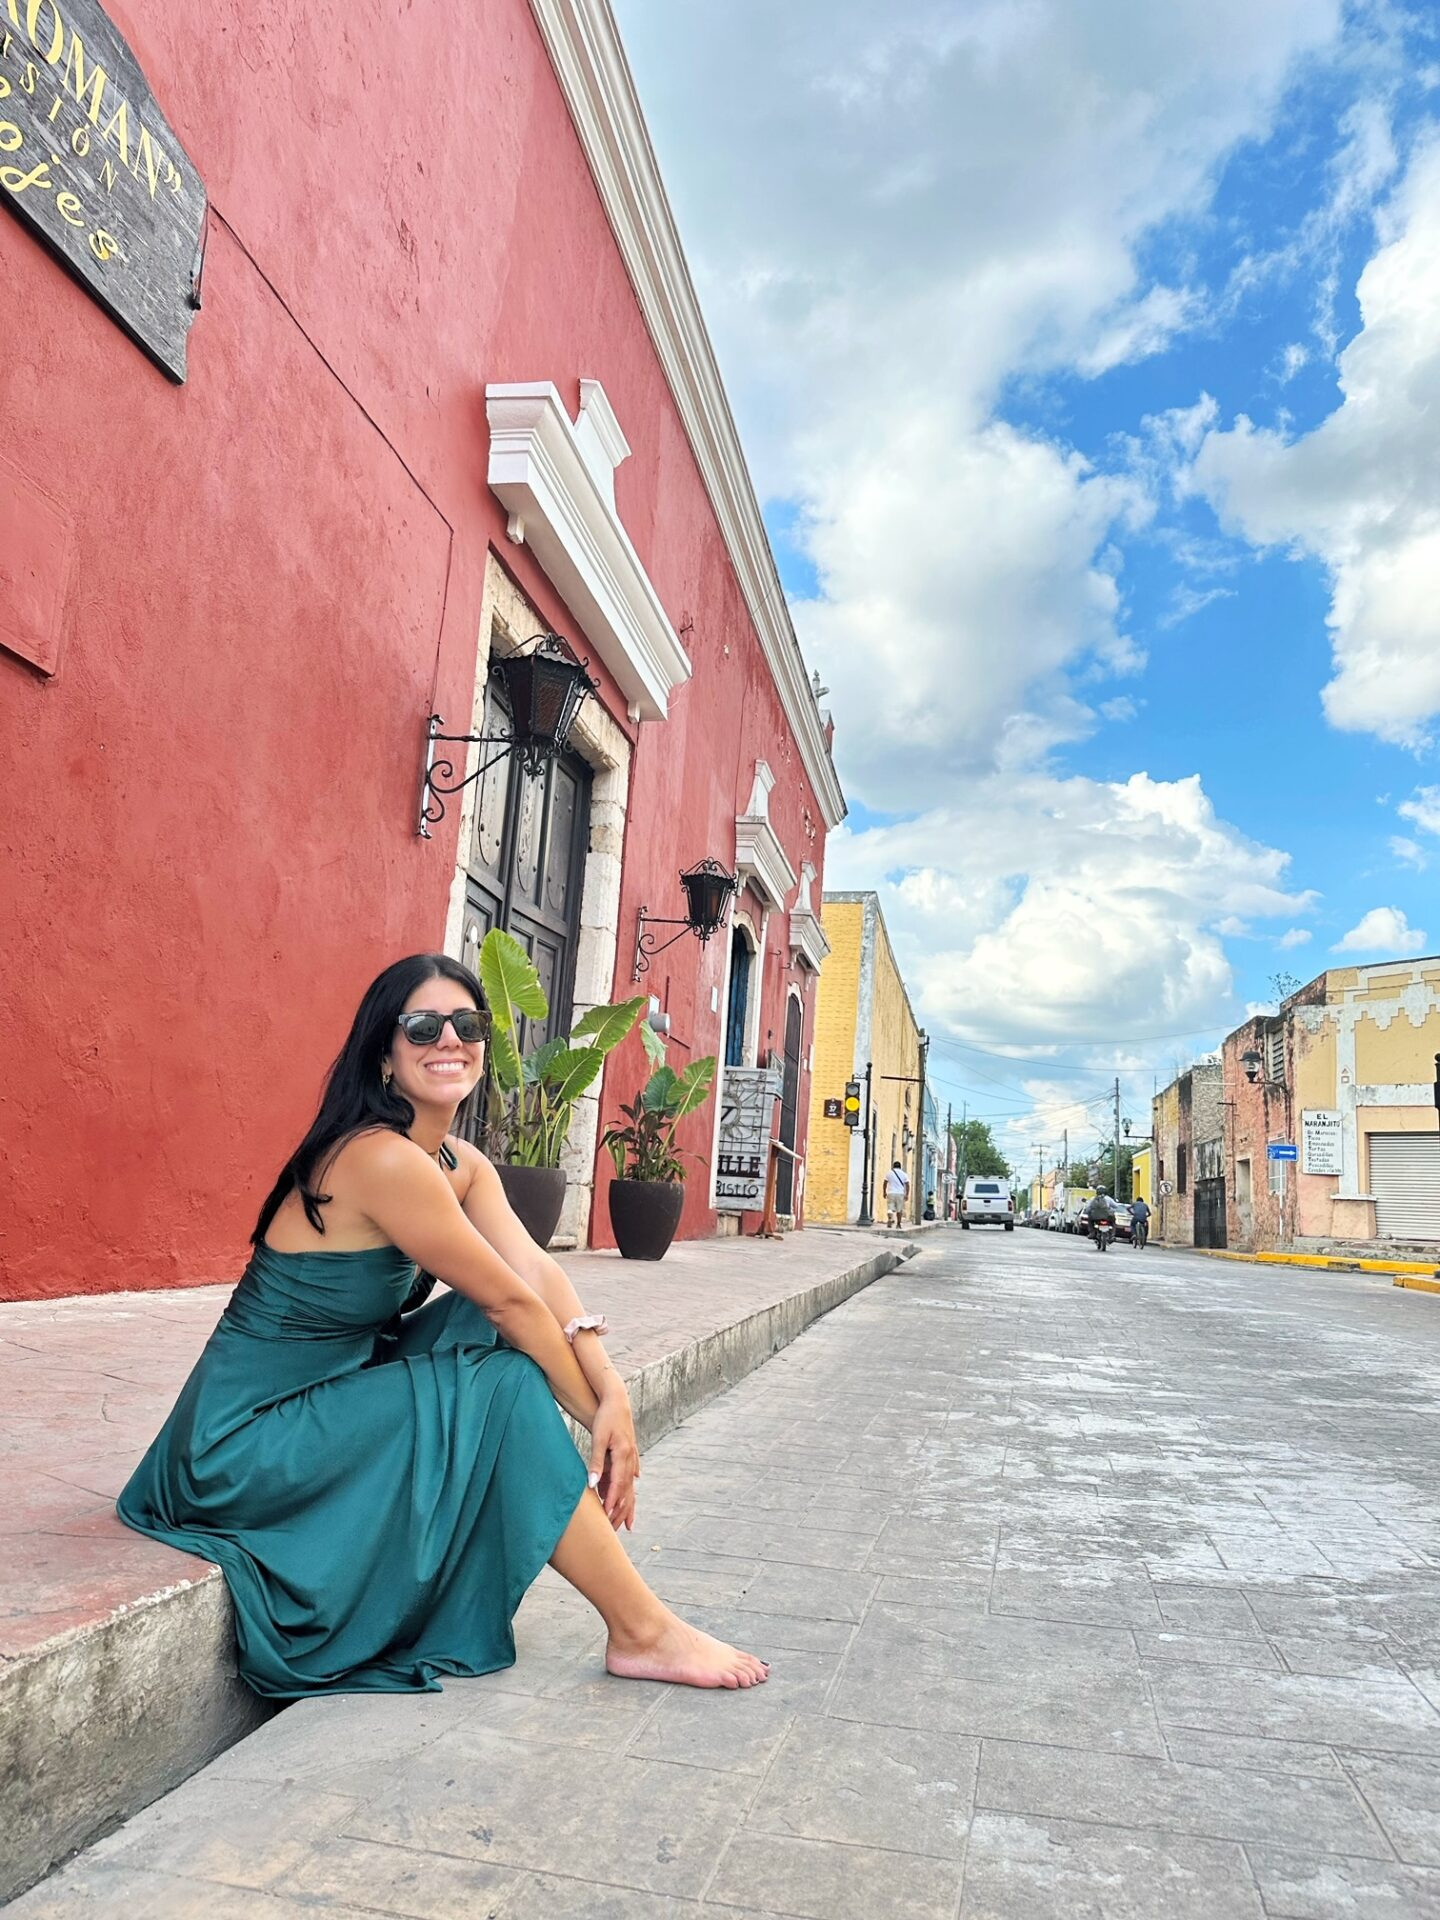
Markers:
<point>808,942</point>
<point>545,470</point>
<point>760,859</point>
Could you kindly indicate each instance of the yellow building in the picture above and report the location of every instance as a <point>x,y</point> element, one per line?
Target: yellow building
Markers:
<point>1142,1175</point>
<point>863,1019</point>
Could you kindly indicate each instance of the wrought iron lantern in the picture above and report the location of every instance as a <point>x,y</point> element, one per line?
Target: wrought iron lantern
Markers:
<point>709,890</point>
<point>544,687</point>
<point>1252,1064</point>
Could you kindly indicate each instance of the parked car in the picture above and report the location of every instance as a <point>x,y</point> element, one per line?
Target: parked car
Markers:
<point>1055,1220</point>
<point>988,1202</point>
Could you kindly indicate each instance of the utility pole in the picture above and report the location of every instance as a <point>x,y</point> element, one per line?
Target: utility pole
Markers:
<point>949,1159</point>
<point>864,1218</point>
<point>1116,1194</point>
<point>1065,1162</point>
<point>917,1197</point>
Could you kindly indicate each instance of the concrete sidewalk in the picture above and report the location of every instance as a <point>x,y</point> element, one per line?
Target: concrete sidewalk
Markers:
<point>116,1660</point>
<point>1093,1587</point>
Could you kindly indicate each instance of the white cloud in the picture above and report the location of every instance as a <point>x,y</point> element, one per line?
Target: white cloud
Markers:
<point>1295,937</point>
<point>1409,852</point>
<point>1031,910</point>
<point>1362,492</point>
<point>1383,933</point>
<point>891,215</point>
<point>1423,809</point>
<point>1186,602</point>
<point>1292,360</point>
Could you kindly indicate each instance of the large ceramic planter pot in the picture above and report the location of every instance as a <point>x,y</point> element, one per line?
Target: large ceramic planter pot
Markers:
<point>537,1195</point>
<point>645,1215</point>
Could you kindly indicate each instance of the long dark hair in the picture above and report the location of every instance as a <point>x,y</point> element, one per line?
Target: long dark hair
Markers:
<point>355,1096</point>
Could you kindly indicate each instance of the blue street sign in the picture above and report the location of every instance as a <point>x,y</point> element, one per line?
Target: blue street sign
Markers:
<point>1282,1150</point>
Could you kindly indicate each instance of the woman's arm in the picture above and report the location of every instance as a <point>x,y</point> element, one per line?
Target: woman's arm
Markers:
<point>487,1208</point>
<point>405,1194</point>
<point>616,1453</point>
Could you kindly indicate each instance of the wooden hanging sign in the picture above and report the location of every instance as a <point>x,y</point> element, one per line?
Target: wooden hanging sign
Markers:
<point>90,164</point>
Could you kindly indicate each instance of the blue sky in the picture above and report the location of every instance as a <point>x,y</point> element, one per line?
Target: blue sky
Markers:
<point>1087,356</point>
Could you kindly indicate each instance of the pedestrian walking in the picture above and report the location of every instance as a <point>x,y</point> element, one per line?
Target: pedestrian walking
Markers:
<point>380,1479</point>
<point>897,1190</point>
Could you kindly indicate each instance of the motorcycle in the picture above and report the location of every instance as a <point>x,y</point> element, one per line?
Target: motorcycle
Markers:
<point>1103,1232</point>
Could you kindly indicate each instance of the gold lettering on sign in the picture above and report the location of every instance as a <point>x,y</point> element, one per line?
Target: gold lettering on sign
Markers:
<point>32,29</point>
<point>120,120</point>
<point>78,83</point>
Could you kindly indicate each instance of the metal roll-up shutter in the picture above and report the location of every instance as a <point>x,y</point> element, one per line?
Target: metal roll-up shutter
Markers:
<point>1405,1180</point>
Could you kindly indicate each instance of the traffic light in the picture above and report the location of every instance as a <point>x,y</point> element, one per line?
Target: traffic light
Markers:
<point>852,1103</point>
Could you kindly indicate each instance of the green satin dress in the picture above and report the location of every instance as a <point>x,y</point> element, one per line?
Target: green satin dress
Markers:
<point>378,1480</point>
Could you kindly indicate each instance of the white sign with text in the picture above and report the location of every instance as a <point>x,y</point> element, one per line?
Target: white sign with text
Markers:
<point>1320,1138</point>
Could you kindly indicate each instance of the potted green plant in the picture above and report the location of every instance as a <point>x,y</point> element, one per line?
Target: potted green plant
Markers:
<point>532,1097</point>
<point>647,1195</point>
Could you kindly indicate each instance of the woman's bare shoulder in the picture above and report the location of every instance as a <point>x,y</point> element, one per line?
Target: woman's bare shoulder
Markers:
<point>474,1168</point>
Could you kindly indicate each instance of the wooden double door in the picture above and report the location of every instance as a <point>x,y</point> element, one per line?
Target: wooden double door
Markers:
<point>525,866</point>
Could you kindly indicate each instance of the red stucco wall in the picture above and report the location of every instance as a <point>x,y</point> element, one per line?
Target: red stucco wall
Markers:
<point>207,844</point>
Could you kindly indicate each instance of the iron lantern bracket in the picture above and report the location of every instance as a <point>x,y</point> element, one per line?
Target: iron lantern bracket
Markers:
<point>648,944</point>
<point>438,782</point>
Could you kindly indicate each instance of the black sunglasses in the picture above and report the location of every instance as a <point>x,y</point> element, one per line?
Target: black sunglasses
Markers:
<point>423,1028</point>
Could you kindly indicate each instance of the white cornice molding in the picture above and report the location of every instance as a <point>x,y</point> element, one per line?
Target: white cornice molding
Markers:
<point>808,942</point>
<point>584,46</point>
<point>560,509</point>
<point>760,859</point>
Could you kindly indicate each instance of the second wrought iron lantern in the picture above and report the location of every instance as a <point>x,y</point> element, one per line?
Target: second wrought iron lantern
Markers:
<point>709,891</point>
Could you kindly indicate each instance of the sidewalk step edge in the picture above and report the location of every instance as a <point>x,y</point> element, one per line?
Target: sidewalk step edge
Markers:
<point>104,1719</point>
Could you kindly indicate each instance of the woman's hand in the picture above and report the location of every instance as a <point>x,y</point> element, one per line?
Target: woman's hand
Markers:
<point>615,1456</point>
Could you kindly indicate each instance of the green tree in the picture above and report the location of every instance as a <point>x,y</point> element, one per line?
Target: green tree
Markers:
<point>976,1151</point>
<point>1100,1170</point>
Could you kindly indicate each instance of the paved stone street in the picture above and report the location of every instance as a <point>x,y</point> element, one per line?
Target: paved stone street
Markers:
<point>1094,1586</point>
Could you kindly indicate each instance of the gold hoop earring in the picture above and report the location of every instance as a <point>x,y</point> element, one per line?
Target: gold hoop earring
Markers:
<point>387,1074</point>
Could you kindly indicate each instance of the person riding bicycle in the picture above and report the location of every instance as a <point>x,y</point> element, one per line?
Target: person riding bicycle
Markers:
<point>1140,1220</point>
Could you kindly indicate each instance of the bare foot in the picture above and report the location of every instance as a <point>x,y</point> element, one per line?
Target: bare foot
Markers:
<point>687,1658</point>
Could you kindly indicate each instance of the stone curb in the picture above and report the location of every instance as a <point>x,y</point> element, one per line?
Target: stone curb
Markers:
<point>1322,1262</point>
<point>1416,1284</point>
<point>110,1716</point>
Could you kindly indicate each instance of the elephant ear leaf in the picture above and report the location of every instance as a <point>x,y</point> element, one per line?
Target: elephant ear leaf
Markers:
<point>659,1090</point>
<point>573,1071</point>
<point>603,1028</point>
<point>694,1085</point>
<point>538,1065</point>
<point>511,982</point>
<point>505,1065</point>
<point>512,986</point>
<point>653,1044</point>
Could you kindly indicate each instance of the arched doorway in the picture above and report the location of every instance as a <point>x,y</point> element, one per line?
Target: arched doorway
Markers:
<point>789,1105</point>
<point>737,1013</point>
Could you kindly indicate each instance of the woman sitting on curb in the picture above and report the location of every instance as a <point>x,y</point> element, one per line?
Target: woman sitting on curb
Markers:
<point>379,1480</point>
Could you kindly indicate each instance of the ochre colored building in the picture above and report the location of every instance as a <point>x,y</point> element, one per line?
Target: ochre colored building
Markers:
<point>864,1020</point>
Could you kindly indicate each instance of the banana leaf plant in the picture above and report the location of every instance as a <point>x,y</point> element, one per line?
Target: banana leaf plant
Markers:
<point>645,1149</point>
<point>532,1096</point>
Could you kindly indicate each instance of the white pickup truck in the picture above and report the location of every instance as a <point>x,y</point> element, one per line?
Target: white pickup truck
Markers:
<point>987,1201</point>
